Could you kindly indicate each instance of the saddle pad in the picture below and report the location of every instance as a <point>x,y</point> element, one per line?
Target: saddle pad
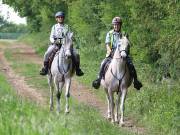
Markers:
<point>106,66</point>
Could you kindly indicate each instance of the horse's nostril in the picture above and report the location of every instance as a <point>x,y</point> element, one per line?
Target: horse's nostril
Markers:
<point>68,56</point>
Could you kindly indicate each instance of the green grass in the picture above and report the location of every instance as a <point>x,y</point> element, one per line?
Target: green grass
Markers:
<point>23,117</point>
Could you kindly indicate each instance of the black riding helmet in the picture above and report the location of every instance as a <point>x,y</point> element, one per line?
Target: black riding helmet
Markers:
<point>60,13</point>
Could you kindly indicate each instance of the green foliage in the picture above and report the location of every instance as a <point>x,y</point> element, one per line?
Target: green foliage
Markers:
<point>153,26</point>
<point>8,27</point>
<point>157,106</point>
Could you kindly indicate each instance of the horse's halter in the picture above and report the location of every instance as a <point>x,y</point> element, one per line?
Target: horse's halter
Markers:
<point>67,49</point>
<point>66,52</point>
<point>123,53</point>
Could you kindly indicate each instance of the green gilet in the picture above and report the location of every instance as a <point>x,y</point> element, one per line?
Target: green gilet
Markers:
<point>112,37</point>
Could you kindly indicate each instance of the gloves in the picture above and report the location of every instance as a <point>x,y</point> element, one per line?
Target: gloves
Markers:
<point>57,41</point>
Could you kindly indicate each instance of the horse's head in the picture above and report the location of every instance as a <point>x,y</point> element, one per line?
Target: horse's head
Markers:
<point>123,46</point>
<point>68,44</point>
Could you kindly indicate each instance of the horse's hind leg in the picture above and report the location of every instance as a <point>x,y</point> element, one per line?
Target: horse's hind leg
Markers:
<point>123,96</point>
<point>67,95</point>
<point>51,91</point>
<point>117,107</point>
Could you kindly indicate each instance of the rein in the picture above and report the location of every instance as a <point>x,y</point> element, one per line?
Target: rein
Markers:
<point>119,79</point>
<point>63,62</point>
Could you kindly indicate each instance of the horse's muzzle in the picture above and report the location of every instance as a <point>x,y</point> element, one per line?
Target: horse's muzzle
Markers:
<point>68,56</point>
<point>123,55</point>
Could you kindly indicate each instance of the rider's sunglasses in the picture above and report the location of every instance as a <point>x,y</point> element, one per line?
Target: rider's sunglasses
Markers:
<point>60,17</point>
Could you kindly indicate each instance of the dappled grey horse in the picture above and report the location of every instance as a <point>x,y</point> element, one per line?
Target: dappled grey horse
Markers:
<point>117,79</point>
<point>61,72</point>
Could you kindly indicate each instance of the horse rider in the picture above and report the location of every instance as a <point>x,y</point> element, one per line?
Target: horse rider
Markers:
<point>58,31</point>
<point>111,41</point>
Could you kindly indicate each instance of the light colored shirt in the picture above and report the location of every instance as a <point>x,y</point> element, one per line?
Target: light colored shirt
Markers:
<point>112,38</point>
<point>58,30</point>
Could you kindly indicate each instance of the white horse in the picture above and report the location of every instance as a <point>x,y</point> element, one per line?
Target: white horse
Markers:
<point>61,72</point>
<point>117,79</point>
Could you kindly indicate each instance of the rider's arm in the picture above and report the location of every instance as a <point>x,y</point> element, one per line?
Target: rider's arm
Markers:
<point>108,44</point>
<point>51,38</point>
<point>108,49</point>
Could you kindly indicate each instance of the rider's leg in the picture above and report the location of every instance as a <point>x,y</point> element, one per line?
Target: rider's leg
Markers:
<point>76,61</point>
<point>47,54</point>
<point>96,83</point>
<point>132,70</point>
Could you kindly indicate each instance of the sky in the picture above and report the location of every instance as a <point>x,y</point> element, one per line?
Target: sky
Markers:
<point>10,15</point>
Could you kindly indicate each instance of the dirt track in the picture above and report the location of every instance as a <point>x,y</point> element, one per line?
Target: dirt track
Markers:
<point>79,91</point>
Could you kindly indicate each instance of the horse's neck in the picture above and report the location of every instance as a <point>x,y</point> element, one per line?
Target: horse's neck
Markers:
<point>62,59</point>
<point>118,64</point>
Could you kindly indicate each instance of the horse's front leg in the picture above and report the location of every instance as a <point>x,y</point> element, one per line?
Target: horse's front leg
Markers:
<point>117,107</point>
<point>67,94</point>
<point>108,101</point>
<point>58,86</point>
<point>111,97</point>
<point>123,96</point>
<point>50,83</point>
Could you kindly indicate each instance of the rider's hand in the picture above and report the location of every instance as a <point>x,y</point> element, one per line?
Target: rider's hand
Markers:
<point>57,41</point>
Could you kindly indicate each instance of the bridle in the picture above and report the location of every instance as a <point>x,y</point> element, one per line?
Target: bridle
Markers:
<point>119,78</point>
<point>63,71</point>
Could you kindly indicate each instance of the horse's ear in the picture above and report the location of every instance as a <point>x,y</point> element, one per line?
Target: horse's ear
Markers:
<point>126,35</point>
<point>71,34</point>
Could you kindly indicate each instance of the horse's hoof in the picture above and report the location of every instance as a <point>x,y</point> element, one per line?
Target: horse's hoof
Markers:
<point>67,111</point>
<point>116,121</point>
<point>109,118</point>
<point>122,124</point>
<point>58,111</point>
<point>51,108</point>
<point>112,121</point>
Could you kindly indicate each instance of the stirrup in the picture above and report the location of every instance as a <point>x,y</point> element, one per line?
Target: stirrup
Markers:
<point>79,72</point>
<point>43,71</point>
<point>96,83</point>
<point>137,85</point>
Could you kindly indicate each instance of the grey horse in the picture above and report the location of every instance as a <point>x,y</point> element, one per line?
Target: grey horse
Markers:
<point>61,72</point>
<point>117,79</point>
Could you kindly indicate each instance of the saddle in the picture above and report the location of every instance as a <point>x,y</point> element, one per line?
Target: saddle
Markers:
<point>51,57</point>
<point>105,67</point>
<point>54,52</point>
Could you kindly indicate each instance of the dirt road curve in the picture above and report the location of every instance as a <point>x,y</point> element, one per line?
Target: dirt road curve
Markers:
<point>79,91</point>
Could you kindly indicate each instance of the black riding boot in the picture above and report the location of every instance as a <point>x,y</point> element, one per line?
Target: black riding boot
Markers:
<point>76,61</point>
<point>96,83</point>
<point>132,70</point>
<point>44,70</point>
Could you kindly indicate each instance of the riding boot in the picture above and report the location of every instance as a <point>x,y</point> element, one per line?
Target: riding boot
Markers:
<point>44,70</point>
<point>132,70</point>
<point>76,60</point>
<point>96,83</point>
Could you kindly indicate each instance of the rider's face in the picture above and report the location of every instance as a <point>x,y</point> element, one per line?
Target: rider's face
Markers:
<point>117,27</point>
<point>60,19</point>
